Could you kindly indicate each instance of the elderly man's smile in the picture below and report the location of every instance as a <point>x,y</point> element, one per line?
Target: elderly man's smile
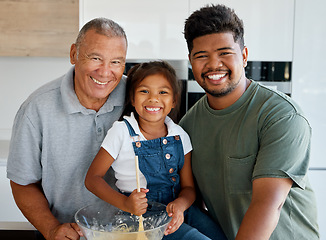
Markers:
<point>98,82</point>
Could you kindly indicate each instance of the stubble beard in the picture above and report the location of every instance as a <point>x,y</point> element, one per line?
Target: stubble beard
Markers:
<point>220,92</point>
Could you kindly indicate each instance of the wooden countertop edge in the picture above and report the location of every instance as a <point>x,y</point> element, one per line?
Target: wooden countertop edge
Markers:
<point>16,226</point>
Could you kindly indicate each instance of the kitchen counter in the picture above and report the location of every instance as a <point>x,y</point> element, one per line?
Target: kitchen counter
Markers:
<point>16,226</point>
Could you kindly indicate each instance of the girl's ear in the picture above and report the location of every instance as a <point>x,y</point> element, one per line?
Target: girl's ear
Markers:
<point>174,104</point>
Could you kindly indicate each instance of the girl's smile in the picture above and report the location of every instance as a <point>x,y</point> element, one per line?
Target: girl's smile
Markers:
<point>152,109</point>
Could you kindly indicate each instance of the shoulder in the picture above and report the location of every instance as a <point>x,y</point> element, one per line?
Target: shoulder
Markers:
<point>53,89</point>
<point>196,112</point>
<point>121,87</point>
<point>175,129</point>
<point>118,127</point>
<point>275,98</point>
<point>45,101</point>
<point>124,79</point>
<point>275,105</point>
<point>42,98</point>
<point>117,133</point>
<point>43,91</point>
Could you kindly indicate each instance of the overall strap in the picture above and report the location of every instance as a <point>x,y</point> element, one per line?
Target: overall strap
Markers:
<point>130,129</point>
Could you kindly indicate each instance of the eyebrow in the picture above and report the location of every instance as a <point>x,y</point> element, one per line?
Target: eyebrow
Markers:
<point>219,49</point>
<point>92,54</point>
<point>148,86</point>
<point>140,85</point>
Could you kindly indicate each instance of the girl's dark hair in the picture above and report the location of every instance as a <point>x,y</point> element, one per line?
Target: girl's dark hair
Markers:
<point>213,19</point>
<point>142,70</point>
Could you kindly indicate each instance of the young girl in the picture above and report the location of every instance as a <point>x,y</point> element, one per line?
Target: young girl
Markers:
<point>164,152</point>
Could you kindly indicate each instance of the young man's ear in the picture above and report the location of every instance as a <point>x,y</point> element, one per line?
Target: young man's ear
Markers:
<point>245,56</point>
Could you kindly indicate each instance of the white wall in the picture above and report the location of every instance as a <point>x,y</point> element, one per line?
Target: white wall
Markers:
<point>20,76</point>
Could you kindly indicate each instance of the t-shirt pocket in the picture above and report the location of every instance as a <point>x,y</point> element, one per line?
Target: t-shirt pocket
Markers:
<point>239,174</point>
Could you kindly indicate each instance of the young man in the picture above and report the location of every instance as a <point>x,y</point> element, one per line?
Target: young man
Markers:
<point>250,144</point>
<point>59,129</point>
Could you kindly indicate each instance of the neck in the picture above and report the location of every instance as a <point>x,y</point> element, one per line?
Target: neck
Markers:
<point>219,103</point>
<point>153,130</point>
<point>92,104</point>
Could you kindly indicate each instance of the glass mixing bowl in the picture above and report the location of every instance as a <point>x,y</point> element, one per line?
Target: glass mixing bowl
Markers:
<point>104,222</point>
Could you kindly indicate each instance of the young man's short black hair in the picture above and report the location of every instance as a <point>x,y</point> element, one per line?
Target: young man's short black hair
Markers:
<point>213,19</point>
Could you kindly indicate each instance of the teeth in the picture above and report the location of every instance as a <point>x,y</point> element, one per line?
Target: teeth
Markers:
<point>216,76</point>
<point>98,82</point>
<point>152,109</point>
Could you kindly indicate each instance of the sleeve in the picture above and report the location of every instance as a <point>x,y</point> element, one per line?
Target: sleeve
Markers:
<point>113,140</point>
<point>186,143</point>
<point>24,159</point>
<point>284,150</point>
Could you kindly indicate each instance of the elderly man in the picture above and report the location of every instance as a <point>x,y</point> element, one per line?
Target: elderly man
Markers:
<point>59,128</point>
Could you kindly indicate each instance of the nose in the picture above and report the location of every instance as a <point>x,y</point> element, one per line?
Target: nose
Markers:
<point>214,62</point>
<point>104,70</point>
<point>153,97</point>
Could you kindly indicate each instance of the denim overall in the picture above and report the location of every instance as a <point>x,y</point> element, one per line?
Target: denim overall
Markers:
<point>160,161</point>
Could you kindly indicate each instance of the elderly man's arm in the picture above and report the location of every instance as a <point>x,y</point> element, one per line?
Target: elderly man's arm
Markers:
<point>262,216</point>
<point>33,204</point>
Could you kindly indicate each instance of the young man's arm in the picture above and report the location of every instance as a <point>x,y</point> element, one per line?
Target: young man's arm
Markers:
<point>262,216</point>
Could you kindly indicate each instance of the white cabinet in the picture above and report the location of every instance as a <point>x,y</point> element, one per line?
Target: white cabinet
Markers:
<point>309,76</point>
<point>309,89</point>
<point>268,26</point>
<point>154,28</point>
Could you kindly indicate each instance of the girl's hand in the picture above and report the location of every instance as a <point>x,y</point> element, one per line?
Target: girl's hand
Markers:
<point>136,203</point>
<point>176,213</point>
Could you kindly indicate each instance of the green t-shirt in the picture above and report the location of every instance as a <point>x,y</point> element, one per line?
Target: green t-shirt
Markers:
<point>263,134</point>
